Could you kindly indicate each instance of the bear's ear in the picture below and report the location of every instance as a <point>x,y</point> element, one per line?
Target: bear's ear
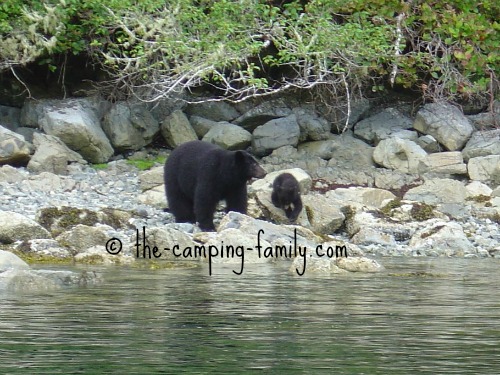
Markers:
<point>240,156</point>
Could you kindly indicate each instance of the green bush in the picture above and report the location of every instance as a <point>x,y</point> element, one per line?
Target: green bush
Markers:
<point>445,50</point>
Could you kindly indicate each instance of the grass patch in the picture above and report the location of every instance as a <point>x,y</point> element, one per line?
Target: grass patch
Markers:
<point>145,164</point>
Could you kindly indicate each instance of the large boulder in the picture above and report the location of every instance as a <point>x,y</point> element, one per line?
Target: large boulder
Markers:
<point>11,261</point>
<point>446,123</point>
<point>351,153</point>
<point>263,113</point>
<point>400,154</point>
<point>383,125</point>
<point>52,155</point>
<point>312,126</point>
<point>9,117</point>
<point>485,168</point>
<point>17,227</point>
<point>275,134</point>
<point>442,239</point>
<point>228,136</point>
<point>77,125</point>
<point>438,191</point>
<point>482,143</point>
<point>176,129</point>
<point>13,148</point>
<point>450,162</point>
<point>213,110</point>
<point>129,126</point>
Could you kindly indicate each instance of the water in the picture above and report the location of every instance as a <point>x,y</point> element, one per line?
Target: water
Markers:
<point>425,316</point>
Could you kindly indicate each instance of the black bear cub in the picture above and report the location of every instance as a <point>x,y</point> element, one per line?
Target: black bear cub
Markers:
<point>286,195</point>
<point>199,174</point>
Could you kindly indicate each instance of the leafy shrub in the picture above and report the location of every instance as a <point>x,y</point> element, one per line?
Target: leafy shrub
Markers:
<point>153,48</point>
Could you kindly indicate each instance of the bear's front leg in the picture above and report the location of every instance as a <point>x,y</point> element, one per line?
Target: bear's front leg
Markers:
<point>205,204</point>
<point>236,200</point>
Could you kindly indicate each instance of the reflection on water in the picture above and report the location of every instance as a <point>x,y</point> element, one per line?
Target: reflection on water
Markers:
<point>429,316</point>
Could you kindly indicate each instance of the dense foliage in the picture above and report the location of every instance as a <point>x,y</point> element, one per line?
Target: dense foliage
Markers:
<point>153,48</point>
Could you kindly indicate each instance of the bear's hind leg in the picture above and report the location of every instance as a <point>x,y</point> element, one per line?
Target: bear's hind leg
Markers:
<point>180,206</point>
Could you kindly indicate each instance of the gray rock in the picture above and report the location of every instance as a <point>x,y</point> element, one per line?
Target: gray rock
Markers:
<point>323,216</point>
<point>228,136</point>
<point>487,120</point>
<point>428,143</point>
<point>368,236</point>
<point>485,168</point>
<point>129,126</point>
<point>351,153</point>
<point>446,123</point>
<point>450,162</point>
<point>394,180</point>
<point>77,125</point>
<point>399,154</point>
<point>438,191</point>
<point>281,235</point>
<point>11,175</point>
<point>31,281</point>
<point>213,110</point>
<point>320,149</point>
<point>10,117</point>
<point>165,238</point>
<point>31,112</point>
<point>52,155</point>
<point>442,239</point>
<point>363,196</point>
<point>383,125</point>
<point>82,237</point>
<point>275,134</point>
<point>16,227</point>
<point>359,264</point>
<point>476,189</point>
<point>312,127</point>
<point>482,143</point>
<point>151,178</point>
<point>241,242</point>
<point>359,108</point>
<point>263,113</point>
<point>201,125</point>
<point>154,197</point>
<point>44,248</point>
<point>176,129</point>
<point>13,148</point>
<point>11,261</point>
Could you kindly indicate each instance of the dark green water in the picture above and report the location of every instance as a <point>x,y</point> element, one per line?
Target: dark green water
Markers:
<point>425,316</point>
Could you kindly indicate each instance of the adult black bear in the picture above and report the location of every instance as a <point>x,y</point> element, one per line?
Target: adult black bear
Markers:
<point>286,195</point>
<point>199,174</point>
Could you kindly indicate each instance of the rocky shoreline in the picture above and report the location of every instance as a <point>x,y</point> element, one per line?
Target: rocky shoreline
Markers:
<point>392,185</point>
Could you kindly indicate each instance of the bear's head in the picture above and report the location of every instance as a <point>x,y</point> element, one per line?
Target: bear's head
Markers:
<point>247,164</point>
